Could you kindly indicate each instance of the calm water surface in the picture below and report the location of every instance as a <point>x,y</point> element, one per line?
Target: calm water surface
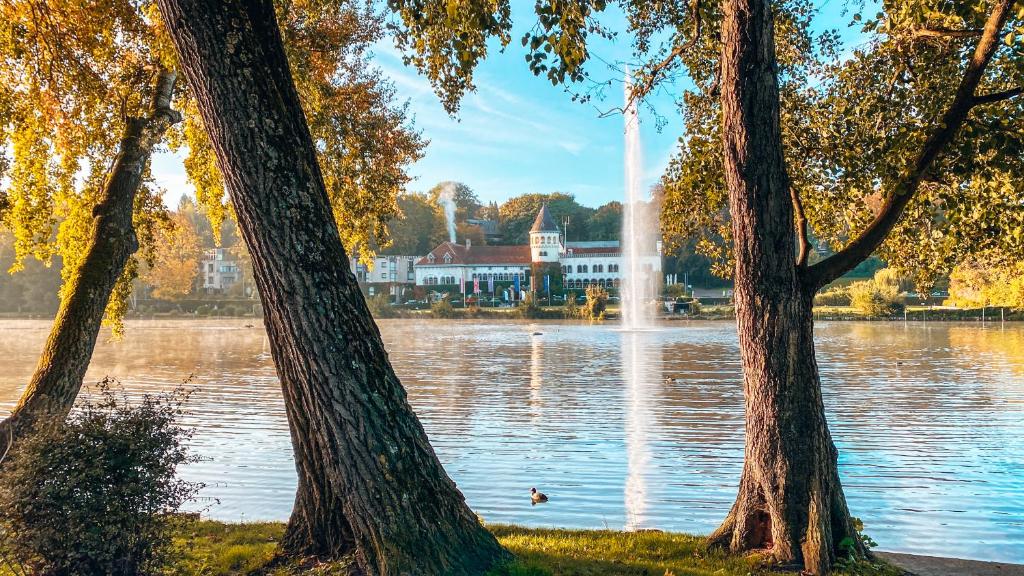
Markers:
<point>635,430</point>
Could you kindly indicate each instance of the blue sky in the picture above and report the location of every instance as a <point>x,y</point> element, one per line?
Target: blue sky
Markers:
<point>518,134</point>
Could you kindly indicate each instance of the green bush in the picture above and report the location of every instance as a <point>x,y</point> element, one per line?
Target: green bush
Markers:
<point>572,310</point>
<point>837,296</point>
<point>95,495</point>
<point>874,298</point>
<point>695,307</point>
<point>528,308</point>
<point>380,306</point>
<point>442,309</point>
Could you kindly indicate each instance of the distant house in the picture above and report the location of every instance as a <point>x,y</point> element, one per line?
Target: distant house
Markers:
<point>389,274</point>
<point>220,270</point>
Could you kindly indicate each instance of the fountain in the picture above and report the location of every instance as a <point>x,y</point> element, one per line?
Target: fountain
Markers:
<point>637,231</point>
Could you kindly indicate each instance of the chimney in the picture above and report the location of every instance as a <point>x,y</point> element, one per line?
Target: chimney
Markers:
<point>469,243</point>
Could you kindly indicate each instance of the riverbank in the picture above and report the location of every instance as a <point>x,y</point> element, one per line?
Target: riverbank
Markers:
<point>720,312</point>
<point>219,549</point>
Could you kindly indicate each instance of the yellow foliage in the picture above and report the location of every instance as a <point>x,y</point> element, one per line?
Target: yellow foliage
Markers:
<point>175,259</point>
<point>989,280</point>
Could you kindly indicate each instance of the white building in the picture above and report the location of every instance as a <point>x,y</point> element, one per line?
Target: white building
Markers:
<point>390,274</point>
<point>220,270</point>
<point>582,263</point>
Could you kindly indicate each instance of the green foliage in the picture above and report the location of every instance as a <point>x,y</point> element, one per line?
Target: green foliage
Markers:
<point>992,279</point>
<point>835,296</point>
<point>419,228</point>
<point>695,307</point>
<point>517,215</point>
<point>529,309</point>
<point>380,306</point>
<point>572,309</point>
<point>93,496</point>
<point>879,296</point>
<point>442,309</point>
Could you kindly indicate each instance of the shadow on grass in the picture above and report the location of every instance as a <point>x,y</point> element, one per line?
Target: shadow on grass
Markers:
<point>216,549</point>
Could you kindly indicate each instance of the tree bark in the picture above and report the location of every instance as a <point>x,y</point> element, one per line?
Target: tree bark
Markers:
<point>790,497</point>
<point>65,358</point>
<point>371,490</point>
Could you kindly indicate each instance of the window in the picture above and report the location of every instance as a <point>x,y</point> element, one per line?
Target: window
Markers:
<point>209,280</point>
<point>447,258</point>
<point>584,268</point>
<point>430,258</point>
<point>209,268</point>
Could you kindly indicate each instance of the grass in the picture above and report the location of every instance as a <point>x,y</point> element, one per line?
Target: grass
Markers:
<point>217,549</point>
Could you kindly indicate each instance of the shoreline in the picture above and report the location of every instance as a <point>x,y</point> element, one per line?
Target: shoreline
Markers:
<point>245,548</point>
<point>512,314</point>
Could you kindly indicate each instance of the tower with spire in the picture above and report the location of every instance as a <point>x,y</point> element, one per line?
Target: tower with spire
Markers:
<point>545,239</point>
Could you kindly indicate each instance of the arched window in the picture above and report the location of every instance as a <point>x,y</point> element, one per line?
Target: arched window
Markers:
<point>584,268</point>
<point>447,258</point>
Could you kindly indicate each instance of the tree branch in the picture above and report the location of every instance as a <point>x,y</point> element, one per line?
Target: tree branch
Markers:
<point>908,184</point>
<point>997,96</point>
<point>657,70</point>
<point>946,33</point>
<point>800,221</point>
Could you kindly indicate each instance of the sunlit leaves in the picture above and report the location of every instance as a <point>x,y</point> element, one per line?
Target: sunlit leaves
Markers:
<point>70,73</point>
<point>446,39</point>
<point>873,115</point>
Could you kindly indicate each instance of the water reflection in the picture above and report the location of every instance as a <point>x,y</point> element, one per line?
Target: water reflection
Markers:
<point>641,359</point>
<point>619,429</point>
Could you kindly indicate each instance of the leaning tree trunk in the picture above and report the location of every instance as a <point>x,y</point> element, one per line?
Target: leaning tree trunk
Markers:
<point>790,498</point>
<point>58,377</point>
<point>370,490</point>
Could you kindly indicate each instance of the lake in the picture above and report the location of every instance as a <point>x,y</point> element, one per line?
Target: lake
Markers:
<point>621,430</point>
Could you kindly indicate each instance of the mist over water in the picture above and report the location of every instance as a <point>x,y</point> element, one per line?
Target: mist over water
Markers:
<point>621,429</point>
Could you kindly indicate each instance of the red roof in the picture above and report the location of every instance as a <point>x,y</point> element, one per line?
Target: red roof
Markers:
<point>480,255</point>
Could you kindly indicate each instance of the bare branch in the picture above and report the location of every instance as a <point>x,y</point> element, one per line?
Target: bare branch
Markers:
<point>907,186</point>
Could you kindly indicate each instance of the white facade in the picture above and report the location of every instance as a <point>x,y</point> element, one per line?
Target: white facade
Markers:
<point>585,263</point>
<point>220,270</point>
<point>582,263</point>
<point>386,270</point>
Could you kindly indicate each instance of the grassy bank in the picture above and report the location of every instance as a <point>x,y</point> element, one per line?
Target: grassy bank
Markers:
<point>218,549</point>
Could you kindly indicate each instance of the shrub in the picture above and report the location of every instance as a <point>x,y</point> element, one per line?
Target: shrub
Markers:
<point>695,308</point>
<point>572,310</point>
<point>95,495</point>
<point>874,298</point>
<point>528,308</point>
<point>597,303</point>
<point>380,306</point>
<point>837,296</point>
<point>442,309</point>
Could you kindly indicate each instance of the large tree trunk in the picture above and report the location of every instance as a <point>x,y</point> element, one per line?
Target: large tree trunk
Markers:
<point>790,499</point>
<point>371,489</point>
<point>58,377</point>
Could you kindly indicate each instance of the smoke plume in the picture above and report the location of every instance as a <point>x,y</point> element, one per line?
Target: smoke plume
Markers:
<point>447,200</point>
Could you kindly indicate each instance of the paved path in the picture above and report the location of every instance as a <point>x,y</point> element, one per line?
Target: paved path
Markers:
<point>935,566</point>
